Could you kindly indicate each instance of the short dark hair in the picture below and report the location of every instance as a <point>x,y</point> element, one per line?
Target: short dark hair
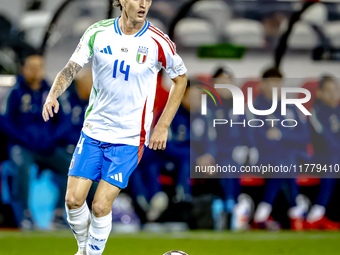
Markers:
<point>225,70</point>
<point>272,73</point>
<point>324,80</point>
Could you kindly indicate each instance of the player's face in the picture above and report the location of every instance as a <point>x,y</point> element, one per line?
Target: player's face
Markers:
<point>329,94</point>
<point>136,10</point>
<point>267,85</point>
<point>33,69</point>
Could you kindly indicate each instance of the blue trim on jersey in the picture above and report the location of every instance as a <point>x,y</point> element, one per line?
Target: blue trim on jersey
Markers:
<point>117,26</point>
<point>114,25</point>
<point>139,34</point>
<point>143,30</point>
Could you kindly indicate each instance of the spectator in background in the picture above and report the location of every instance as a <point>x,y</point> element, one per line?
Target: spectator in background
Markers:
<point>178,148</point>
<point>30,139</point>
<point>150,196</point>
<point>231,149</point>
<point>325,134</point>
<point>277,146</point>
<point>146,187</point>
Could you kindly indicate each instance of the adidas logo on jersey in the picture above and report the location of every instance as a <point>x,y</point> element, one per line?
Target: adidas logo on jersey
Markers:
<point>107,50</point>
<point>117,177</point>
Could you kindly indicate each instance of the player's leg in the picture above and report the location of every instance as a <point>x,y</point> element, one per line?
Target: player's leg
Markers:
<point>78,213</point>
<point>264,209</point>
<point>119,162</point>
<point>84,168</point>
<point>316,218</point>
<point>144,180</point>
<point>101,220</point>
<point>296,208</point>
<point>157,198</point>
<point>22,159</point>
<point>183,188</point>
<point>59,163</point>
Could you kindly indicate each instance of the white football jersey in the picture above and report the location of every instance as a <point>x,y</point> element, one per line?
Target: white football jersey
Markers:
<point>124,69</point>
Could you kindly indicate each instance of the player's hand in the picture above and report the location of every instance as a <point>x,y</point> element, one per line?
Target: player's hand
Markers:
<point>158,138</point>
<point>205,160</point>
<point>274,134</point>
<point>51,102</point>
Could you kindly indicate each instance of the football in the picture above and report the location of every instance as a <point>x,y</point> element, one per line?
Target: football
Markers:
<point>175,253</point>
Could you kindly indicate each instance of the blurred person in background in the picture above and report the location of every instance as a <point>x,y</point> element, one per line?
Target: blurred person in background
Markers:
<point>178,150</point>
<point>277,146</point>
<point>230,149</point>
<point>325,136</point>
<point>30,139</point>
<point>145,183</point>
<point>202,133</point>
<point>146,187</point>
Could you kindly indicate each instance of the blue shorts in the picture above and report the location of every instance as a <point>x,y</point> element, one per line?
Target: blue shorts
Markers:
<point>95,160</point>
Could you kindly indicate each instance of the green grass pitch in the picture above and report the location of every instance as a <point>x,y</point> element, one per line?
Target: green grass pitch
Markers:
<point>193,243</point>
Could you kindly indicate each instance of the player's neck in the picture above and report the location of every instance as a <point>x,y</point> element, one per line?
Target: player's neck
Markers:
<point>128,26</point>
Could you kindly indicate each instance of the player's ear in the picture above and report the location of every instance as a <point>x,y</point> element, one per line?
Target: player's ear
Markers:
<point>122,3</point>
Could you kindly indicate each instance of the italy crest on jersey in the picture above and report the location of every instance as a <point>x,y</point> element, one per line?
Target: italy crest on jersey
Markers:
<point>142,54</point>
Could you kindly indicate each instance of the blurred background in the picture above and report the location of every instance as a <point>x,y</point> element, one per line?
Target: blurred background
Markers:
<point>238,41</point>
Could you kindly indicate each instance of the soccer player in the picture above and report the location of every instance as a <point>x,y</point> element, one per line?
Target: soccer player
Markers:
<point>231,150</point>
<point>325,134</point>
<point>277,146</point>
<point>127,54</point>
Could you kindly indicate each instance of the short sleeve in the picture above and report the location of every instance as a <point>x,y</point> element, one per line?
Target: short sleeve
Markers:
<point>168,57</point>
<point>175,66</point>
<point>83,52</point>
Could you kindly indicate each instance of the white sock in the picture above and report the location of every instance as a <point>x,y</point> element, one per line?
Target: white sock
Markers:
<point>262,212</point>
<point>302,205</point>
<point>295,212</point>
<point>99,231</point>
<point>316,213</point>
<point>79,221</point>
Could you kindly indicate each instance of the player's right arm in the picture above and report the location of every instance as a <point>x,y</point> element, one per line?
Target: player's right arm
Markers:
<point>61,83</point>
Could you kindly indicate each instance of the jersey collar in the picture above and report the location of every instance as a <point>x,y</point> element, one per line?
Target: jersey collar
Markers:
<point>144,29</point>
<point>139,34</point>
<point>117,29</point>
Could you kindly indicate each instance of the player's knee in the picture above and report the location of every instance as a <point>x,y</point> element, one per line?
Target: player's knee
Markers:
<point>100,208</point>
<point>72,202</point>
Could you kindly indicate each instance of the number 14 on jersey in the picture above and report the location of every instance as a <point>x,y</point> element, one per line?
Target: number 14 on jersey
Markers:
<point>121,69</point>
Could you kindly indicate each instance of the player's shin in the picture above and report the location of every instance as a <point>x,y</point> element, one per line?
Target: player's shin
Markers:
<point>79,221</point>
<point>99,231</point>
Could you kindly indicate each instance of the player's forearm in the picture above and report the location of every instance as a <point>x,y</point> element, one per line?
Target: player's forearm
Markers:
<point>64,79</point>
<point>175,99</point>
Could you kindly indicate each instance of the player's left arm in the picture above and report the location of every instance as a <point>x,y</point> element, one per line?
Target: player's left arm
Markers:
<point>160,133</point>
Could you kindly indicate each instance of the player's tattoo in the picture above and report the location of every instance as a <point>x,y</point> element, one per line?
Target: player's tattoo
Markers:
<point>64,78</point>
<point>78,177</point>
